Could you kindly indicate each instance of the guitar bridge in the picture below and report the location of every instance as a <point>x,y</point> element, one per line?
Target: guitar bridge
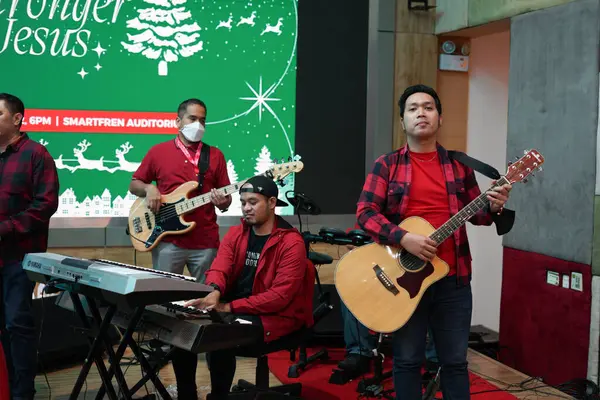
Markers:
<point>385,280</point>
<point>137,225</point>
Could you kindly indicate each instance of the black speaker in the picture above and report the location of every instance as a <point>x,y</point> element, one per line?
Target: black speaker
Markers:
<point>330,328</point>
<point>60,332</point>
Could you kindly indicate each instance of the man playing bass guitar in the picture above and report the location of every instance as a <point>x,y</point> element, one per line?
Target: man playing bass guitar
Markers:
<point>421,180</point>
<point>171,164</point>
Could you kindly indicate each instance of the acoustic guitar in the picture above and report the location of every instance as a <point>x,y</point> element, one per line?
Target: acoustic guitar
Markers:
<point>147,229</point>
<point>382,285</point>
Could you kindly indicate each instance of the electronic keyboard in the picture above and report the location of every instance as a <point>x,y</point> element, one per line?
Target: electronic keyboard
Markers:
<point>116,283</point>
<point>183,327</point>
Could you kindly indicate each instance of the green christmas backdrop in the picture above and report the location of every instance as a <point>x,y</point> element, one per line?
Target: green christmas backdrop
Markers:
<point>100,58</point>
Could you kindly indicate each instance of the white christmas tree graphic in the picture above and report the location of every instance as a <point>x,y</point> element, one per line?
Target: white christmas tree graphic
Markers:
<point>233,176</point>
<point>263,162</point>
<point>235,208</point>
<point>165,34</point>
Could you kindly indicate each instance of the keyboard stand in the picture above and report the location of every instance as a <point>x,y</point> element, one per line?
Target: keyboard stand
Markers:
<point>102,340</point>
<point>95,352</point>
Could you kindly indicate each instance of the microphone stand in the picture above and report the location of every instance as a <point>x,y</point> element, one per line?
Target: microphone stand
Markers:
<point>322,309</point>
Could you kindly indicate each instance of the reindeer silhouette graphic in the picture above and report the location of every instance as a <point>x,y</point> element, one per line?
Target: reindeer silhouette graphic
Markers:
<point>274,29</point>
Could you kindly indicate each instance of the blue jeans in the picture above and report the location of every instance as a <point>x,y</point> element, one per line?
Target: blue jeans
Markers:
<point>19,339</point>
<point>430,353</point>
<point>357,337</point>
<point>445,307</point>
<point>359,341</point>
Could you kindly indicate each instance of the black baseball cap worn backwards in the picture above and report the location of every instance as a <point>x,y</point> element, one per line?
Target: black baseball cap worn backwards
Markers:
<point>265,186</point>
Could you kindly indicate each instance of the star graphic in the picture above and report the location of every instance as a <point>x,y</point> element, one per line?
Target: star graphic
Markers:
<point>98,66</point>
<point>260,99</point>
<point>99,50</point>
<point>82,73</point>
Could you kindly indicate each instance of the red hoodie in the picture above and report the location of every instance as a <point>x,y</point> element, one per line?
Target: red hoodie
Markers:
<point>282,293</point>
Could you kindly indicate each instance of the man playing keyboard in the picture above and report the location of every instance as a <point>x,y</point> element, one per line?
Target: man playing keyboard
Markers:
<point>260,274</point>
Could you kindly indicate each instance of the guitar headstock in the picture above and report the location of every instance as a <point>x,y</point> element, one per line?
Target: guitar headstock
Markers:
<point>519,170</point>
<point>279,171</point>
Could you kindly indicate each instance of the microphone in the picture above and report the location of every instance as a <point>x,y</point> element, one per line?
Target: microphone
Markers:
<point>303,203</point>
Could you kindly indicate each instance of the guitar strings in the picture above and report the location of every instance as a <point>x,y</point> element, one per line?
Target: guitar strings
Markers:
<point>170,211</point>
<point>447,229</point>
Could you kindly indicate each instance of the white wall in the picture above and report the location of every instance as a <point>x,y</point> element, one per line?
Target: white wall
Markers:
<point>486,141</point>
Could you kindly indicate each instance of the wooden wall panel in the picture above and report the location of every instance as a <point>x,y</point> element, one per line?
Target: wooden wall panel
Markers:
<point>415,57</point>
<point>414,21</point>
<point>416,62</point>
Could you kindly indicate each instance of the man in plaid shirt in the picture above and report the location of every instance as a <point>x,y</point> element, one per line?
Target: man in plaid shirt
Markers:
<point>28,198</point>
<point>421,180</point>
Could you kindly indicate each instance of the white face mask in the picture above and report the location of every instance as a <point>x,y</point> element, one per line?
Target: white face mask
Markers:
<point>193,132</point>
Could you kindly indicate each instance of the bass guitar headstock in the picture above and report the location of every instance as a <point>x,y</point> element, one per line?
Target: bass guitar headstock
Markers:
<point>278,171</point>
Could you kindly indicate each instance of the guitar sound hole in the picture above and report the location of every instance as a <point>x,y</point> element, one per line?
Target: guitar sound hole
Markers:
<point>410,262</point>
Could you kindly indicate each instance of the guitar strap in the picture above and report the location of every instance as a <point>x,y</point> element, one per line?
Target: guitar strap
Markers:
<point>203,163</point>
<point>504,222</point>
<point>479,166</point>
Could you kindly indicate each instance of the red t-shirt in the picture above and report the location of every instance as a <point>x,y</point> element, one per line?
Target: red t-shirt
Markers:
<point>166,165</point>
<point>429,199</point>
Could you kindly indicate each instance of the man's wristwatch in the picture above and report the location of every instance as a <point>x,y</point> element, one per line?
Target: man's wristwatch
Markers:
<point>215,286</point>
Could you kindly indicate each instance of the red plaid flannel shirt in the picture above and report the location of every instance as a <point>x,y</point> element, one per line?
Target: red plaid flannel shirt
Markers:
<point>28,198</point>
<point>386,192</point>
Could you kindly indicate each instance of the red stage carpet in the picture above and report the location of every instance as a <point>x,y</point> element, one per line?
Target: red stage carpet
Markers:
<point>316,386</point>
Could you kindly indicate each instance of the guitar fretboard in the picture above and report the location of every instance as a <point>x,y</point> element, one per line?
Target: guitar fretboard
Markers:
<point>446,230</point>
<point>199,201</point>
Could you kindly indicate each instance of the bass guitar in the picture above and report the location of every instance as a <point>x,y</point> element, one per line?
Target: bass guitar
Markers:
<point>147,229</point>
<point>382,285</point>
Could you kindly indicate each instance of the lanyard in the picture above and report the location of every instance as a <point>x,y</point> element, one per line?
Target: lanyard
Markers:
<point>187,154</point>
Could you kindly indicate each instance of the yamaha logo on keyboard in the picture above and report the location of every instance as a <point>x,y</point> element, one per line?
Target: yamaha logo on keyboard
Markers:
<point>34,264</point>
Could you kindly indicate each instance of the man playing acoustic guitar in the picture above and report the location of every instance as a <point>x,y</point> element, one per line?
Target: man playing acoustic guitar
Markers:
<point>171,164</point>
<point>421,180</point>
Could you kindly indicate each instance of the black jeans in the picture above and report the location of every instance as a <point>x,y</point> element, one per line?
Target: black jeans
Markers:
<point>221,364</point>
<point>18,332</point>
<point>446,308</point>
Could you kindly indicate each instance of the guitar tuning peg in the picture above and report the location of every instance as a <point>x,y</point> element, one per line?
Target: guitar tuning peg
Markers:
<point>290,159</point>
<point>274,161</point>
<point>525,180</point>
<point>540,169</point>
